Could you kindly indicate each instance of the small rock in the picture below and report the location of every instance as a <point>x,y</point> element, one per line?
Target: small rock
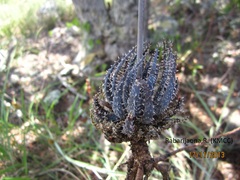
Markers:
<point>52,97</point>
<point>223,90</point>
<point>14,78</point>
<point>225,112</point>
<point>19,113</point>
<point>234,118</point>
<point>212,101</point>
<point>234,102</point>
<point>229,61</point>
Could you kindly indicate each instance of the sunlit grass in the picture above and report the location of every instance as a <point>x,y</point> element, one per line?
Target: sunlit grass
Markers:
<point>21,146</point>
<point>21,17</point>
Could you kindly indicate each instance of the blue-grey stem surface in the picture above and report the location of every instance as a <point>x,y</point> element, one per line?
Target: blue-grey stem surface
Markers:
<point>140,38</point>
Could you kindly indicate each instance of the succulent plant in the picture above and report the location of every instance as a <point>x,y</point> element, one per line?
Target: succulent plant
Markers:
<point>138,99</point>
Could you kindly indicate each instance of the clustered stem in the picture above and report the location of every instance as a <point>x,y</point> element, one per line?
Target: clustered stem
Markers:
<point>139,100</point>
<point>141,163</point>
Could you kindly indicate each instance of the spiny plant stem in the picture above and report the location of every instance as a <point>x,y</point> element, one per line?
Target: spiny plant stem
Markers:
<point>140,36</point>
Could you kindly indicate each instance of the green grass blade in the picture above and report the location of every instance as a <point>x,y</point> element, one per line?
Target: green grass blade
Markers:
<point>231,90</point>
<point>81,164</point>
<point>212,116</point>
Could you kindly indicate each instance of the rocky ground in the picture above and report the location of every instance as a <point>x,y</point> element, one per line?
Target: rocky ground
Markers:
<point>57,68</point>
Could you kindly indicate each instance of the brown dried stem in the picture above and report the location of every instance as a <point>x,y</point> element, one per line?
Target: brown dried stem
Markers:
<point>141,164</point>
